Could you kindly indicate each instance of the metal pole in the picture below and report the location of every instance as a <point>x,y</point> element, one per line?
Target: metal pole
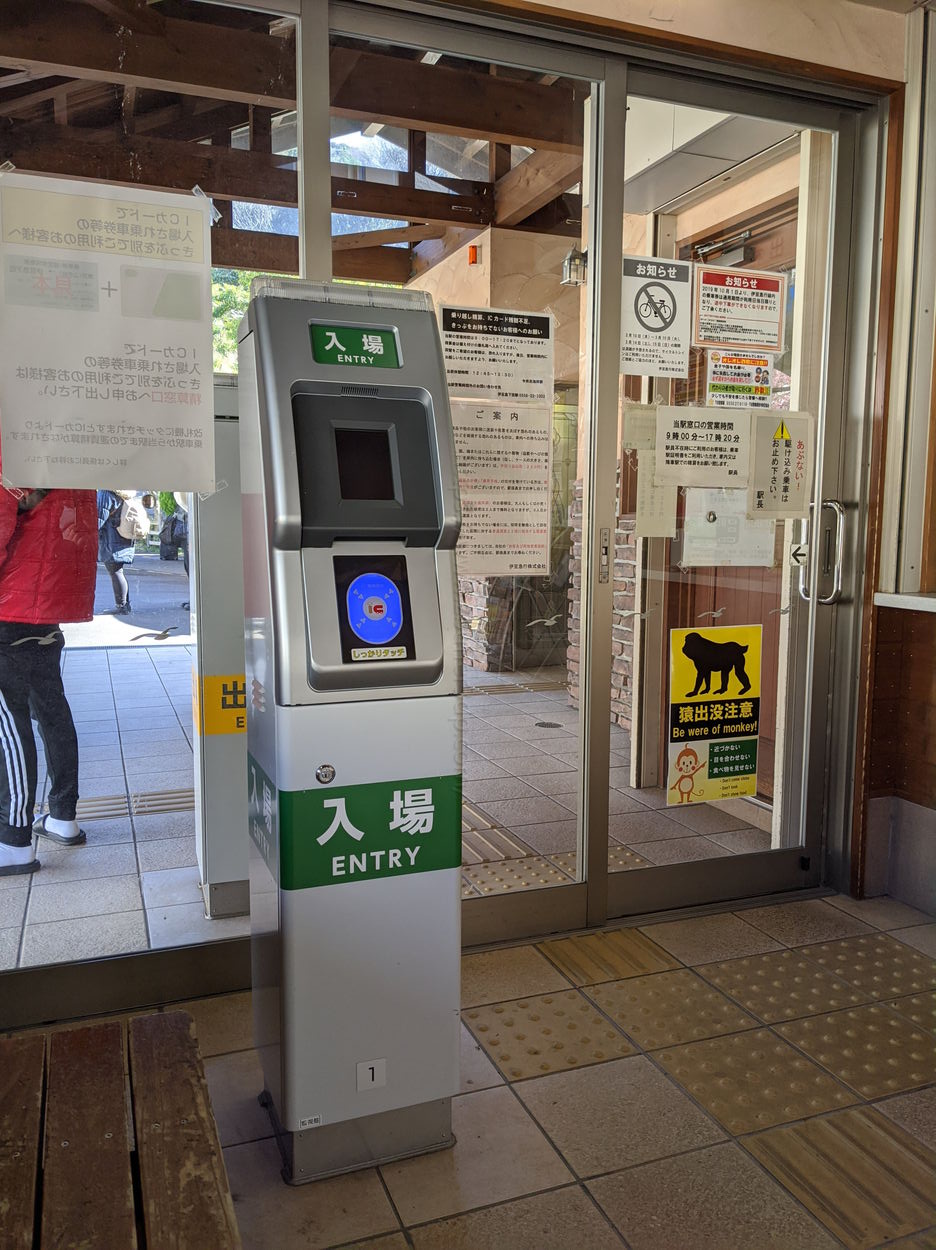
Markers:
<point>315,257</point>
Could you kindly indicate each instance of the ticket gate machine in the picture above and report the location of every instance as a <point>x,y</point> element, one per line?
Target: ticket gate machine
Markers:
<point>353,668</point>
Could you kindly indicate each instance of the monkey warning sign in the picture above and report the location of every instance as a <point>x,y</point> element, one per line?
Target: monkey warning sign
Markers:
<point>714,713</point>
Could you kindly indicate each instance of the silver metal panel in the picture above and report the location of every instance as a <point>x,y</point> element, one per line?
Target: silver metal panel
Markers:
<point>369,1140</point>
<point>216,552</point>
<point>370,972</point>
<point>326,668</point>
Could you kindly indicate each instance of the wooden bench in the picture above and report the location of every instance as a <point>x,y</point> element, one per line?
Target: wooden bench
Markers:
<point>106,1145</point>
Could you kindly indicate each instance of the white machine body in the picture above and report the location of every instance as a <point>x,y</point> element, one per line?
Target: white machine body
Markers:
<point>353,672</point>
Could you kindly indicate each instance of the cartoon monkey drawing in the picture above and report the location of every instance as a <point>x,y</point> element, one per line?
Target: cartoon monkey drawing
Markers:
<point>687,765</point>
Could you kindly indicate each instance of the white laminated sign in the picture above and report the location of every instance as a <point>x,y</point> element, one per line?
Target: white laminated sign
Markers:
<point>740,309</point>
<point>738,379</point>
<point>106,374</point>
<point>782,465</point>
<point>703,447</point>
<point>717,532</point>
<point>655,321</point>
<point>504,465</point>
<point>498,355</point>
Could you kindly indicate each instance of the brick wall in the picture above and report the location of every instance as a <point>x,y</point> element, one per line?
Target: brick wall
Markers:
<point>622,621</point>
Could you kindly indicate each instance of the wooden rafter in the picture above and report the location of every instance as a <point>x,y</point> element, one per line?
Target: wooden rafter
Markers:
<point>372,238</point>
<point>190,58</point>
<point>224,173</point>
<point>533,183</point>
<point>279,253</point>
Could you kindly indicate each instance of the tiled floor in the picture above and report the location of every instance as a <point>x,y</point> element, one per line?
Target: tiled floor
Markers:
<point>634,1089</point>
<point>134,886</point>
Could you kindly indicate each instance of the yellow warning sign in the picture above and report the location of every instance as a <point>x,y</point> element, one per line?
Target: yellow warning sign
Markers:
<point>782,434</point>
<point>222,707</point>
<point>715,677</point>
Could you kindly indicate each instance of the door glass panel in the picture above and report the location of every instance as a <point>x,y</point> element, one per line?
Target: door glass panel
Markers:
<point>482,211</point>
<point>707,739</point>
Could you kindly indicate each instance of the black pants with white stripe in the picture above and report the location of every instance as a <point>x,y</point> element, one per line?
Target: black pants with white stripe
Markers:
<point>31,689</point>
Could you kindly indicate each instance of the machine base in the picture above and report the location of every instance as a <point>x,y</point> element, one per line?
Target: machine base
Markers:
<point>363,1142</point>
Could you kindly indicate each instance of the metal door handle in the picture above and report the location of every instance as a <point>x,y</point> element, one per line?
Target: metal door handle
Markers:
<point>837,570</point>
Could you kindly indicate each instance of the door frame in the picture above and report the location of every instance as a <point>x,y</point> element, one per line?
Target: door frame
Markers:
<point>821,791</point>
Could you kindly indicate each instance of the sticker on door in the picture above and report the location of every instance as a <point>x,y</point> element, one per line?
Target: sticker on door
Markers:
<point>714,716</point>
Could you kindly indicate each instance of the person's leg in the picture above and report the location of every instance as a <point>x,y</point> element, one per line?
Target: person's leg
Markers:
<point>53,716</point>
<point>119,584</point>
<point>17,761</point>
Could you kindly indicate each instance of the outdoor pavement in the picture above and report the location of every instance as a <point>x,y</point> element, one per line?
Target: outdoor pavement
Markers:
<point>158,589</point>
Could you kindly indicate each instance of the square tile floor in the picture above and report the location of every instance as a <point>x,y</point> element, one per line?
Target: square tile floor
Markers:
<point>719,1102</point>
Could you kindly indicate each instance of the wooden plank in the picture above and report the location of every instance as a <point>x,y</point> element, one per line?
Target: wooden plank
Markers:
<point>279,253</point>
<point>374,264</point>
<point>444,100</point>
<point>383,199</point>
<point>21,1064</point>
<point>534,183</point>
<point>87,1200</point>
<point>191,58</point>
<point>376,238</point>
<point>186,1200</point>
<point>137,160</point>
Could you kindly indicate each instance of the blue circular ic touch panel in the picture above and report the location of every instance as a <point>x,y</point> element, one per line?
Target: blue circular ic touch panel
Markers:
<point>375,610</point>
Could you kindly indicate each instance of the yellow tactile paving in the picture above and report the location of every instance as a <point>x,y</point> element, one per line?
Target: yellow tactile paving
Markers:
<point>468,890</point>
<point>920,1008</point>
<point>877,964</point>
<point>607,956</point>
<point>481,846</point>
<point>532,873</point>
<point>870,1048</point>
<point>754,1080</point>
<point>620,859</point>
<point>781,985</point>
<point>866,1179</point>
<point>549,1033</point>
<point>669,1008</point>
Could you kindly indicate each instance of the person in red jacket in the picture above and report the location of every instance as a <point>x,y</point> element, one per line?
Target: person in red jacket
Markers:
<point>48,555</point>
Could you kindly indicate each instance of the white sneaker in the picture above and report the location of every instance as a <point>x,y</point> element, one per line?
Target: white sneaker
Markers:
<point>17,859</point>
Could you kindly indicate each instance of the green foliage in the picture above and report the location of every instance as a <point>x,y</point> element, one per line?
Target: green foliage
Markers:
<point>230,294</point>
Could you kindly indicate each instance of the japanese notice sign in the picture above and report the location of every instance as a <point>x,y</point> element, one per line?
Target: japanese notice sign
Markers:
<point>741,309</point>
<point>738,380</point>
<point>106,375</point>
<point>656,505</point>
<point>655,321</point>
<point>717,532</point>
<point>495,354</point>
<point>327,837</point>
<point>782,465</point>
<point>714,713</point>
<point>639,433</point>
<point>366,347</point>
<point>697,447</point>
<point>504,466</point>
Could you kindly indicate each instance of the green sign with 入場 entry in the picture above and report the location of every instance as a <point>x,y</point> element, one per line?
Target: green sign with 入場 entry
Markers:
<point>362,346</point>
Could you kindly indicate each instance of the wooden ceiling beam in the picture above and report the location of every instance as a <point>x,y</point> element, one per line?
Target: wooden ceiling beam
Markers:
<point>191,58</point>
<point>435,98</point>
<point>374,238</point>
<point>279,253</point>
<point>135,160</point>
<point>534,183</point>
<point>223,173</point>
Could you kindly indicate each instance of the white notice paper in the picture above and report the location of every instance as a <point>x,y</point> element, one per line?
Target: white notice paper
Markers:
<point>703,446</point>
<point>655,321</point>
<point>717,532</point>
<point>782,465</point>
<point>496,354</point>
<point>743,309</point>
<point>656,505</point>
<point>639,426</point>
<point>504,457</point>
<point>106,374</point>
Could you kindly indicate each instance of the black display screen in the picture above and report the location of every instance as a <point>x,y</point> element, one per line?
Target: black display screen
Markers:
<point>365,465</point>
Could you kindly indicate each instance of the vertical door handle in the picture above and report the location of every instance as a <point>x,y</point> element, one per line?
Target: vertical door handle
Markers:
<point>837,569</point>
